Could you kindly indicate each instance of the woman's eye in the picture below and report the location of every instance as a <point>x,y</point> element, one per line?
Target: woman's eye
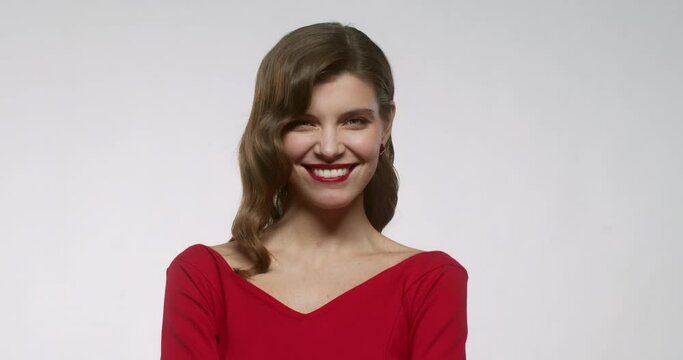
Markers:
<point>359,121</point>
<point>299,123</point>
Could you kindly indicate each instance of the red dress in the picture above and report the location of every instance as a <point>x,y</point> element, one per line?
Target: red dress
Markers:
<point>415,309</point>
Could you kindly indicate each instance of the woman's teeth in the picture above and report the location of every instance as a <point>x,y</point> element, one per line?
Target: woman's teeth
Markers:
<point>330,173</point>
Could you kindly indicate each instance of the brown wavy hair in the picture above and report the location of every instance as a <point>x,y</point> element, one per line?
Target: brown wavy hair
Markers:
<point>286,76</point>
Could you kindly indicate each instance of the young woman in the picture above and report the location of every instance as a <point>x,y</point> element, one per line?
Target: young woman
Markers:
<point>307,273</point>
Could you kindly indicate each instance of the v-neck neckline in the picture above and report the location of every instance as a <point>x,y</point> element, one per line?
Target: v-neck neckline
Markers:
<point>285,308</point>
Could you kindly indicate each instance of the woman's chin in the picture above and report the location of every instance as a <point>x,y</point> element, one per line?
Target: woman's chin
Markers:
<point>331,202</point>
<point>330,205</point>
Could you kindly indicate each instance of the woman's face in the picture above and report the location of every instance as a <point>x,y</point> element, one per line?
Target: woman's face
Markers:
<point>341,131</point>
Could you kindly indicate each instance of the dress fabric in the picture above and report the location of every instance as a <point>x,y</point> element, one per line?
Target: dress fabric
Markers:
<point>415,309</point>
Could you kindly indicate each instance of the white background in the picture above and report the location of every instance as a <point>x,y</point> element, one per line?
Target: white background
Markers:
<point>538,142</point>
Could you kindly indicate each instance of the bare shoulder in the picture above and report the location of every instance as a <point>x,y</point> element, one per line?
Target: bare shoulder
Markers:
<point>396,250</point>
<point>230,253</point>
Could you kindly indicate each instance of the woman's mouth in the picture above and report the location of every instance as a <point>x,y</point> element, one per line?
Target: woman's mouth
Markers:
<point>329,173</point>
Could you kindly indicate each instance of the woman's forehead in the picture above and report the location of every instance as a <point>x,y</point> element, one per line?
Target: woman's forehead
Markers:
<point>341,95</point>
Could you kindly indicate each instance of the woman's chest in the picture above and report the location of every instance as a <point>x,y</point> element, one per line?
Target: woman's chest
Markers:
<point>304,293</point>
<point>361,324</point>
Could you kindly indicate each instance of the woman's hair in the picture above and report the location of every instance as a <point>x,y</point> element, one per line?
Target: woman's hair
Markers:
<point>303,58</point>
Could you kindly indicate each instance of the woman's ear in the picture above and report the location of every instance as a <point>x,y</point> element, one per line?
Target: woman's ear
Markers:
<point>386,131</point>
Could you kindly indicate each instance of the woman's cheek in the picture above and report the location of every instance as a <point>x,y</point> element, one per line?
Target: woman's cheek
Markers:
<point>365,145</point>
<point>294,146</point>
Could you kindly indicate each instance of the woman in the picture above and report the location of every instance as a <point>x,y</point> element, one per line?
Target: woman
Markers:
<point>319,186</point>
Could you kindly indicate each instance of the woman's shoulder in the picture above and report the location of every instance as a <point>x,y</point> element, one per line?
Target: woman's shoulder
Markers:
<point>192,254</point>
<point>435,273</point>
<point>205,258</point>
<point>426,259</point>
<point>231,255</point>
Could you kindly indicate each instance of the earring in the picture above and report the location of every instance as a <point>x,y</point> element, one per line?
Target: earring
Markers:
<point>381,149</point>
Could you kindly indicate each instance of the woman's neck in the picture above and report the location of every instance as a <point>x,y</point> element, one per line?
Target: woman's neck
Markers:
<point>306,229</point>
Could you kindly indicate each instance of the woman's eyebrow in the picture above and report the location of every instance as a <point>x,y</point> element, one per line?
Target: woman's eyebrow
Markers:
<point>361,111</point>
<point>364,111</point>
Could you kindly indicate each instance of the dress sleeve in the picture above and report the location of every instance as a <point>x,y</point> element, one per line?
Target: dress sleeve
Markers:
<point>188,326</point>
<point>439,327</point>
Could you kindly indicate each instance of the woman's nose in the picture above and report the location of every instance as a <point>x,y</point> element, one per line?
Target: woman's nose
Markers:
<point>330,146</point>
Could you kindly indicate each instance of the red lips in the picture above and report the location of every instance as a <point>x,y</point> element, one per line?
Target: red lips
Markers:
<point>328,166</point>
<point>310,167</point>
